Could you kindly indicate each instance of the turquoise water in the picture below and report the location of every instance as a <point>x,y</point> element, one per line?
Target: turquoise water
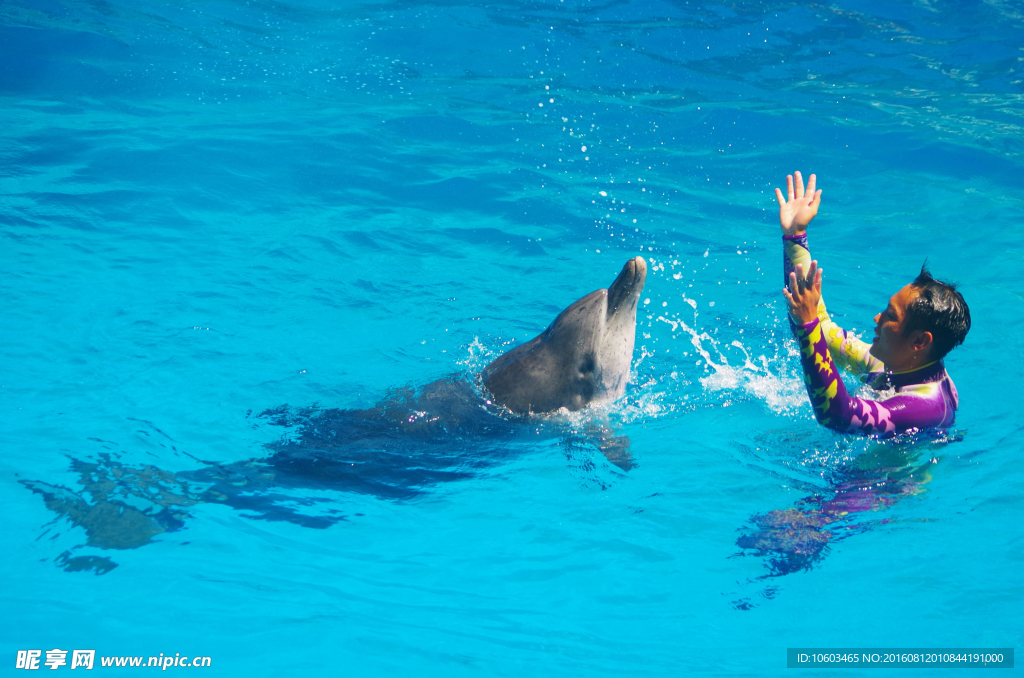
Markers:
<point>216,210</point>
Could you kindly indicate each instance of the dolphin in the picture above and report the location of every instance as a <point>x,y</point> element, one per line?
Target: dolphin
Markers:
<point>411,440</point>
<point>582,358</point>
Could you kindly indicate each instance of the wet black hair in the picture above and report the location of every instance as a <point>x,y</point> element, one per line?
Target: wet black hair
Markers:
<point>939,309</point>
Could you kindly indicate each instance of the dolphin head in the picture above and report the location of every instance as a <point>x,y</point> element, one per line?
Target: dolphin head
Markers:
<point>583,357</point>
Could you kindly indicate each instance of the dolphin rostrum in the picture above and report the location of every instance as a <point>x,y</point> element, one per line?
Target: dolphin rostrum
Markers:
<point>583,357</point>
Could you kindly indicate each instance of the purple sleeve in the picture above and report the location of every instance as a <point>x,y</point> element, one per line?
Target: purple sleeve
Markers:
<point>833,407</point>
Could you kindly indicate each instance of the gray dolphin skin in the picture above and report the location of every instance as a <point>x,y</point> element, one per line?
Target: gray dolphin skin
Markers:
<point>583,357</point>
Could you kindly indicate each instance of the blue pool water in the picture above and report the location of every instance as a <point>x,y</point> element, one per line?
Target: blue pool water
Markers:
<point>219,219</point>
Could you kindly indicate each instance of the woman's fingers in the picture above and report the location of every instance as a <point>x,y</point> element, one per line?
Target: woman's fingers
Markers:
<point>778,196</point>
<point>799,184</point>
<point>789,186</point>
<point>810,184</point>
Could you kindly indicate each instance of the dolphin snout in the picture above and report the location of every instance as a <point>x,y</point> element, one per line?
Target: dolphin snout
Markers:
<point>639,267</point>
<point>627,285</point>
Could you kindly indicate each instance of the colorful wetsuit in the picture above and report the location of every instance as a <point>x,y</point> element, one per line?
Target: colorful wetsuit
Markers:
<point>921,398</point>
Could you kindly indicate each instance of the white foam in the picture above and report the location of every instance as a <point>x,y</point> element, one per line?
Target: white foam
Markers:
<point>768,379</point>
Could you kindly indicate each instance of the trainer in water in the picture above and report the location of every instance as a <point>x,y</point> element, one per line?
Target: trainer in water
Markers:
<point>921,324</point>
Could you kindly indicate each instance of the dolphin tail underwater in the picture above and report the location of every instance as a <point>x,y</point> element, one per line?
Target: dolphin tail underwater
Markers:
<point>582,358</point>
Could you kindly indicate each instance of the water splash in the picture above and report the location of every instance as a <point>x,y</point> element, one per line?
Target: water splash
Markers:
<point>770,379</point>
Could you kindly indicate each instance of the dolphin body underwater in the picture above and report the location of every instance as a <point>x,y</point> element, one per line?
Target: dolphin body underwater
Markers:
<point>415,438</point>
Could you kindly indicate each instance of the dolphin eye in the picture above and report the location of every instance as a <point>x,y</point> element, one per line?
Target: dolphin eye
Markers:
<point>588,364</point>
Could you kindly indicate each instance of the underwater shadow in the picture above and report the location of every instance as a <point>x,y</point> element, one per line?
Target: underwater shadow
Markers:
<point>403,448</point>
<point>796,539</point>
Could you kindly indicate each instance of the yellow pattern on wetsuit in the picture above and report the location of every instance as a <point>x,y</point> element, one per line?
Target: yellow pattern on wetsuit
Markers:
<point>847,350</point>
